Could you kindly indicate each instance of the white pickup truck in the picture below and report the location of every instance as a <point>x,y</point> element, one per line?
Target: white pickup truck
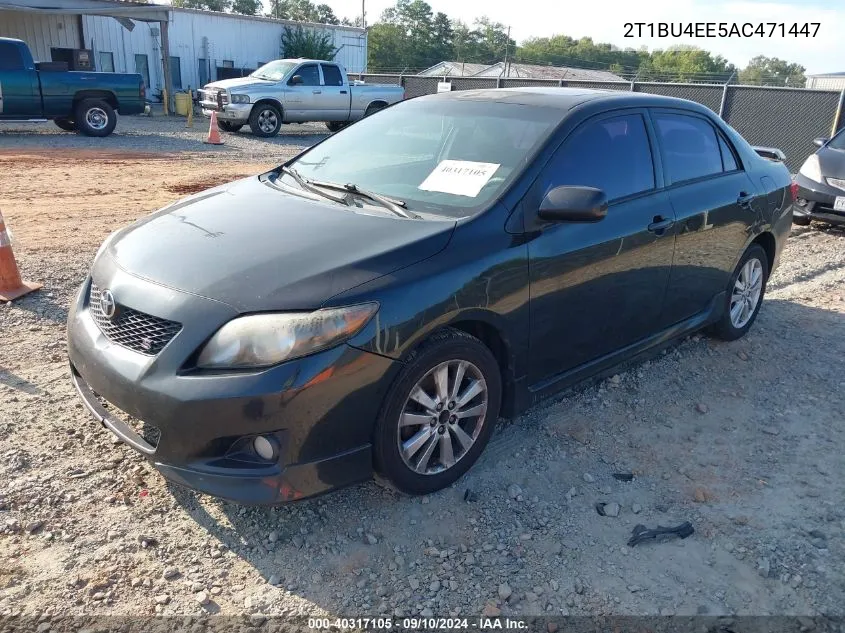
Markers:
<point>294,91</point>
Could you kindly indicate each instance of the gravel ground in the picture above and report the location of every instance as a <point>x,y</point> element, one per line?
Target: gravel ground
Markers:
<point>164,134</point>
<point>744,440</point>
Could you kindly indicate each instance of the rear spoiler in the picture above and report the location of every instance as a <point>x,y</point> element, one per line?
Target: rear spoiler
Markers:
<point>771,153</point>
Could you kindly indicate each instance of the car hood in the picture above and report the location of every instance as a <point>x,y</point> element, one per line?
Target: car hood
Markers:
<point>251,246</point>
<point>238,82</point>
<point>832,162</point>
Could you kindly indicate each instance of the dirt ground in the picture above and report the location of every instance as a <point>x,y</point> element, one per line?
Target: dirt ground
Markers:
<point>744,440</point>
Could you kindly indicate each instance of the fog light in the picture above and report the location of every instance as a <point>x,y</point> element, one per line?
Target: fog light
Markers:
<point>264,448</point>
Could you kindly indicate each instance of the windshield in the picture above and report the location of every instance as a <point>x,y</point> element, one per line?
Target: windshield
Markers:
<point>274,71</point>
<point>838,141</point>
<point>447,157</point>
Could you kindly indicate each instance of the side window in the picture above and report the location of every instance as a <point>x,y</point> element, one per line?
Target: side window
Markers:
<point>690,146</point>
<point>611,154</point>
<point>331,75</point>
<point>310,75</point>
<point>728,159</point>
<point>10,57</point>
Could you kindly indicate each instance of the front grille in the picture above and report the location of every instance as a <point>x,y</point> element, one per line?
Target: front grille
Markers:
<point>130,328</point>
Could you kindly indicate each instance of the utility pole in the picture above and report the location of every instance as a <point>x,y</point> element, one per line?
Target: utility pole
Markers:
<point>506,70</point>
<point>363,14</point>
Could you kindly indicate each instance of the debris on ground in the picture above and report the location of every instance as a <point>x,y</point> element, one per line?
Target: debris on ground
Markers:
<point>641,533</point>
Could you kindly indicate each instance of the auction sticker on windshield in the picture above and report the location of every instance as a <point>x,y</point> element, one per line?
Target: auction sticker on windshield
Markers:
<point>459,177</point>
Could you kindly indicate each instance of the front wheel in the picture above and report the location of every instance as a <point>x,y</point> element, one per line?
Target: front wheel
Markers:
<point>744,294</point>
<point>65,124</point>
<point>373,108</point>
<point>265,120</point>
<point>95,117</point>
<point>439,414</point>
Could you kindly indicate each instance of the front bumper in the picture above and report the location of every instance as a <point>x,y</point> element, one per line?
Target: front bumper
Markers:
<point>320,409</point>
<point>231,112</point>
<point>818,201</point>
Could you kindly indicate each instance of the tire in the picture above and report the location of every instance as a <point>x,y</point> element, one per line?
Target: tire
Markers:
<point>336,126</point>
<point>730,328</point>
<point>373,108</point>
<point>801,220</point>
<point>229,127</point>
<point>95,117</point>
<point>445,349</point>
<point>265,120</point>
<point>66,124</point>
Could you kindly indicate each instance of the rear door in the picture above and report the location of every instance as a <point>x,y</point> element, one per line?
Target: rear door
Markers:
<point>334,101</point>
<point>19,92</point>
<point>597,287</point>
<point>715,203</point>
<point>302,100</point>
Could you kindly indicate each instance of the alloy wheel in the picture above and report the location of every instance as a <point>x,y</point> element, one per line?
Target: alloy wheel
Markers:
<point>96,118</point>
<point>746,293</point>
<point>442,417</point>
<point>267,121</point>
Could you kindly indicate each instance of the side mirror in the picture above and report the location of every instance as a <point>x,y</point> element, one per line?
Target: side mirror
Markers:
<point>574,204</point>
<point>296,80</point>
<point>818,142</point>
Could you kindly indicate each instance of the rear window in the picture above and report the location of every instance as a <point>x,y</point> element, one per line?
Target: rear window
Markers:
<point>690,146</point>
<point>10,57</point>
<point>331,75</point>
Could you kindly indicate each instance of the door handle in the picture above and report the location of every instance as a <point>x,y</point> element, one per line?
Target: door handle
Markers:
<point>660,224</point>
<point>343,92</point>
<point>744,200</point>
<point>316,92</point>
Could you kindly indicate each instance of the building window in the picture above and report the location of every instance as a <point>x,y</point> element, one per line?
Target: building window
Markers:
<point>202,67</point>
<point>142,67</point>
<point>106,62</point>
<point>228,63</point>
<point>176,73</point>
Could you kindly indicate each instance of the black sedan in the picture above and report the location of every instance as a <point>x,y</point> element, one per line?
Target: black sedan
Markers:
<point>821,184</point>
<point>376,303</point>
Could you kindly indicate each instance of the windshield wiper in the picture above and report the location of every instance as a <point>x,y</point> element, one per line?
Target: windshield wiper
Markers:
<point>307,186</point>
<point>398,207</point>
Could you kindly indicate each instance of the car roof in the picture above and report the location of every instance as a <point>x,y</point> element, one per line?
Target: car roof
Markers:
<point>566,98</point>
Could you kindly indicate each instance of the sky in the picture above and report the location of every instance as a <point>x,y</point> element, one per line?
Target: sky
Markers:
<point>604,20</point>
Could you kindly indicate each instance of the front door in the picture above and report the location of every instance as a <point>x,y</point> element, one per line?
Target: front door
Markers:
<point>302,100</point>
<point>598,287</point>
<point>335,98</point>
<point>715,204</point>
<point>19,92</point>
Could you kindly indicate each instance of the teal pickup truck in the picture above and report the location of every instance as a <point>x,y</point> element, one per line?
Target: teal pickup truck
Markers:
<point>83,101</point>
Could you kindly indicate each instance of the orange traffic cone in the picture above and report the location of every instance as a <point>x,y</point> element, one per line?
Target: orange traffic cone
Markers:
<point>11,286</point>
<point>213,132</point>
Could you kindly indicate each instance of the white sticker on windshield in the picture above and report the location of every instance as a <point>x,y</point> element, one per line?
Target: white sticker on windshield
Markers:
<point>459,177</point>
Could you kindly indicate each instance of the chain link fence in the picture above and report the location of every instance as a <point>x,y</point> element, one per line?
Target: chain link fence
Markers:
<point>786,118</point>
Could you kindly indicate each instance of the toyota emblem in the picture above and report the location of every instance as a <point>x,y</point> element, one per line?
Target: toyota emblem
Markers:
<point>108,306</point>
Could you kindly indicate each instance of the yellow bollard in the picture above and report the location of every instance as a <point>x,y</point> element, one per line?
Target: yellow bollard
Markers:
<point>190,115</point>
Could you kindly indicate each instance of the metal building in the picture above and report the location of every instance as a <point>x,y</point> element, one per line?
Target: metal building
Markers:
<point>126,36</point>
<point>827,81</point>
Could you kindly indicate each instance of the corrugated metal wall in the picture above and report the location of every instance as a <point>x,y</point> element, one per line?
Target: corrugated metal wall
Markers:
<point>41,32</point>
<point>107,35</point>
<point>826,83</point>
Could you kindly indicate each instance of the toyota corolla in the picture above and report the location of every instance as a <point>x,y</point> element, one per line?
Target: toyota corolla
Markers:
<point>376,303</point>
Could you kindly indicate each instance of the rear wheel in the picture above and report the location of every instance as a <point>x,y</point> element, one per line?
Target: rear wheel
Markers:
<point>744,294</point>
<point>439,414</point>
<point>229,127</point>
<point>373,108</point>
<point>95,117</point>
<point>265,120</point>
<point>66,124</point>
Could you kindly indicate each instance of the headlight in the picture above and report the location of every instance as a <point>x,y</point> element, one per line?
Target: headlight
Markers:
<point>260,340</point>
<point>839,183</point>
<point>239,98</point>
<point>811,168</point>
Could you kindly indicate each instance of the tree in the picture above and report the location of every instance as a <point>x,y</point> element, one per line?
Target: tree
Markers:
<point>325,15</point>
<point>207,5</point>
<point>686,63</point>
<point>307,43</point>
<point>246,7</point>
<point>299,10</point>
<point>771,71</point>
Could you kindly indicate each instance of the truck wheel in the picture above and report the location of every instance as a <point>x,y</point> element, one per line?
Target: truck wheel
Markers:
<point>228,127</point>
<point>95,117</point>
<point>265,120</point>
<point>336,126</point>
<point>66,124</point>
